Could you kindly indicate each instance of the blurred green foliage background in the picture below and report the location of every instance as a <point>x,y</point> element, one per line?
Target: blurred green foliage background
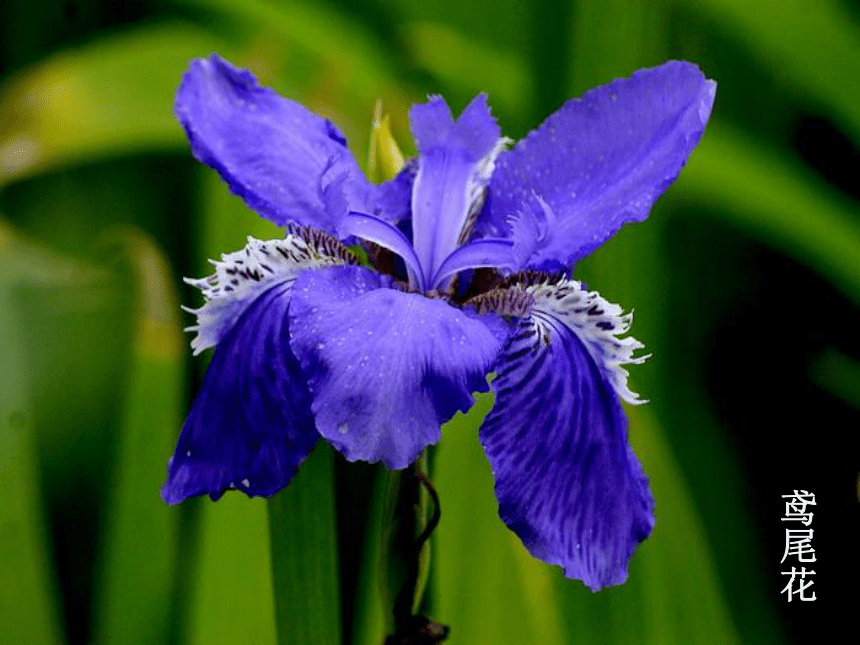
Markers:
<point>745,283</point>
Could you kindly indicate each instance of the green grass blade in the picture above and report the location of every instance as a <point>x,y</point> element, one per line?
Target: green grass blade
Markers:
<point>28,611</point>
<point>468,66</point>
<point>112,96</point>
<point>372,619</point>
<point>673,593</point>
<point>139,553</point>
<point>681,600</point>
<point>613,44</point>
<point>303,535</point>
<point>814,48</point>
<point>74,318</point>
<point>232,589</point>
<point>773,198</point>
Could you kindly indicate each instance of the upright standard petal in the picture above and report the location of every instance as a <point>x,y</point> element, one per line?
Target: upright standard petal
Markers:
<point>456,159</point>
<point>251,424</point>
<point>283,160</point>
<point>385,368</point>
<point>567,482</point>
<point>390,201</point>
<point>599,162</point>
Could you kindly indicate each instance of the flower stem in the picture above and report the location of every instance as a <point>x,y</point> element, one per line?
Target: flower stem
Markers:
<point>408,560</point>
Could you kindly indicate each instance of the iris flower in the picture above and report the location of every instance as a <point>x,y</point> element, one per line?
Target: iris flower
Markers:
<point>470,248</point>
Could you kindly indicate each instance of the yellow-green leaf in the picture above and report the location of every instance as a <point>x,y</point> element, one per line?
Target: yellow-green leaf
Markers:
<point>138,557</point>
<point>775,199</point>
<point>112,96</point>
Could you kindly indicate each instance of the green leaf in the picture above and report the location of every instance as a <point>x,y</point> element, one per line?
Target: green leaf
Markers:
<point>486,587</point>
<point>232,589</point>
<point>303,537</point>
<point>372,619</point>
<point>773,198</point>
<point>139,553</point>
<point>113,96</point>
<point>613,44</point>
<point>73,318</point>
<point>838,374</point>
<point>469,66</point>
<point>634,269</point>
<point>813,48</point>
<point>28,611</point>
<point>672,594</point>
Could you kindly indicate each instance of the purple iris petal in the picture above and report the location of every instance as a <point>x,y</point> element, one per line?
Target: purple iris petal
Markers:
<point>567,482</point>
<point>385,368</point>
<point>480,253</point>
<point>454,165</point>
<point>242,276</point>
<point>287,163</point>
<point>251,424</point>
<point>307,349</point>
<point>387,236</point>
<point>390,201</point>
<point>599,162</point>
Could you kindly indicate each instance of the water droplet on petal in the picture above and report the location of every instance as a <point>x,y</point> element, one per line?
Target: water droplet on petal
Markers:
<point>343,428</point>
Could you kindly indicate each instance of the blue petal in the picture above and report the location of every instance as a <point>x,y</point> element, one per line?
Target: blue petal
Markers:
<point>480,253</point>
<point>288,164</point>
<point>251,424</point>
<point>385,368</point>
<point>567,482</point>
<point>241,277</point>
<point>390,201</point>
<point>389,237</point>
<point>454,165</point>
<point>597,163</point>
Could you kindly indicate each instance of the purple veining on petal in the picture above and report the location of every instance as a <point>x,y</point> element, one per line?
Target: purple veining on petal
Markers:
<point>251,424</point>
<point>567,482</point>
